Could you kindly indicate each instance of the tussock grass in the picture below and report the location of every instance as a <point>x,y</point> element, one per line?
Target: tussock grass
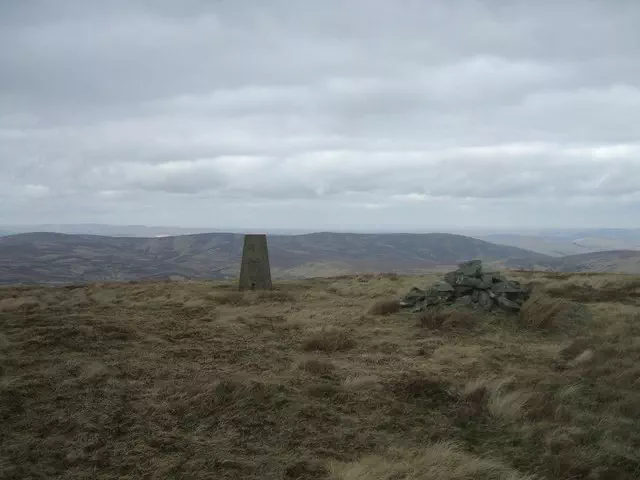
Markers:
<point>597,288</point>
<point>317,366</point>
<point>542,312</point>
<point>385,307</point>
<point>329,340</point>
<point>13,304</point>
<point>394,277</point>
<point>160,380</point>
<point>231,298</point>
<point>275,296</point>
<point>440,461</point>
<point>499,397</point>
<point>448,319</point>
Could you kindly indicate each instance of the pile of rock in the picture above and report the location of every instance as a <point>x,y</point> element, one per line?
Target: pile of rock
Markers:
<point>470,286</point>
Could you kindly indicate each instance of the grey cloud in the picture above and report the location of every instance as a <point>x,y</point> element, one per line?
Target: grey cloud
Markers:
<point>368,111</point>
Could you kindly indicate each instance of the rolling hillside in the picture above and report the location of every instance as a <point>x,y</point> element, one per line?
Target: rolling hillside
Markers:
<point>59,258</point>
<point>569,242</point>
<point>614,261</point>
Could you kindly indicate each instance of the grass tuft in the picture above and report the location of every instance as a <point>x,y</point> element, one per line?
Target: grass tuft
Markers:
<point>277,296</point>
<point>542,312</point>
<point>499,398</point>
<point>441,461</point>
<point>329,340</point>
<point>448,319</point>
<point>231,298</point>
<point>317,366</point>
<point>385,307</point>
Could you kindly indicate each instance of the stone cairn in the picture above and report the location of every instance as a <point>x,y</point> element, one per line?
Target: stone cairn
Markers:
<point>469,286</point>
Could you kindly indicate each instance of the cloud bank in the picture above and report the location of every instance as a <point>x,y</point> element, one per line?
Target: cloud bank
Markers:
<point>360,114</point>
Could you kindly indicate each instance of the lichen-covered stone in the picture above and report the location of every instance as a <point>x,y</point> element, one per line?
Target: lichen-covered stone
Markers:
<point>443,287</point>
<point>461,290</point>
<point>471,269</point>
<point>451,278</point>
<point>507,304</point>
<point>507,287</point>
<point>472,282</point>
<point>484,301</point>
<point>414,296</point>
<point>464,301</point>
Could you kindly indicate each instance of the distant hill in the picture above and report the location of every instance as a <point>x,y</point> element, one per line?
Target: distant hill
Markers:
<point>614,261</point>
<point>123,230</point>
<point>569,242</point>
<point>60,258</point>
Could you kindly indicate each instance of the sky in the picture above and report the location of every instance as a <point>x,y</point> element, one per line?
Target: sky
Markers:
<point>351,114</point>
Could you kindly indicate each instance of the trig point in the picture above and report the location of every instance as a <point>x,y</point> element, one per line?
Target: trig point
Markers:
<point>255,272</point>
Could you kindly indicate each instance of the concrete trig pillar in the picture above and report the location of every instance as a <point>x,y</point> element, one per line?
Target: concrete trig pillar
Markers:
<point>255,272</point>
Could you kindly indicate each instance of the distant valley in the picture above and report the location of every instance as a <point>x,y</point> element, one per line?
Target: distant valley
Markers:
<point>558,243</point>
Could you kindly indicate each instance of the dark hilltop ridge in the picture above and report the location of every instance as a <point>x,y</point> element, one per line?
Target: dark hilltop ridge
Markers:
<point>61,258</point>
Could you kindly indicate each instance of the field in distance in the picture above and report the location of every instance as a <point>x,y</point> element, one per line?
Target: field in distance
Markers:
<point>319,379</point>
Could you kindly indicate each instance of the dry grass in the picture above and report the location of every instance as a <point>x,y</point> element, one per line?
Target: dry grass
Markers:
<point>499,397</point>
<point>317,366</point>
<point>329,340</point>
<point>596,288</point>
<point>196,380</point>
<point>385,307</point>
<point>544,312</point>
<point>448,319</point>
<point>440,461</point>
<point>231,298</point>
<point>276,296</point>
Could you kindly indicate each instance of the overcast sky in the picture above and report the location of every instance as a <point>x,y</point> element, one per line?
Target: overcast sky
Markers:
<point>350,114</point>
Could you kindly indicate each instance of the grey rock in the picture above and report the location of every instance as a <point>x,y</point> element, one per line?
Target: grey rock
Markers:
<point>471,282</point>
<point>471,269</point>
<point>469,287</point>
<point>414,296</point>
<point>497,277</point>
<point>493,278</point>
<point>484,301</point>
<point>443,287</point>
<point>451,278</point>
<point>460,290</point>
<point>507,287</point>
<point>507,304</point>
<point>435,297</point>
<point>464,301</point>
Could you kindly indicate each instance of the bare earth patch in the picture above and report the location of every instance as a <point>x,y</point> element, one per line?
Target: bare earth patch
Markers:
<point>196,380</point>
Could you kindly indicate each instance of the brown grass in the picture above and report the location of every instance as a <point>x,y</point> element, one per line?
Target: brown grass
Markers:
<point>385,307</point>
<point>275,296</point>
<point>317,366</point>
<point>196,380</point>
<point>450,319</point>
<point>329,340</point>
<point>231,298</point>
<point>440,461</point>
<point>597,288</point>
<point>544,312</point>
